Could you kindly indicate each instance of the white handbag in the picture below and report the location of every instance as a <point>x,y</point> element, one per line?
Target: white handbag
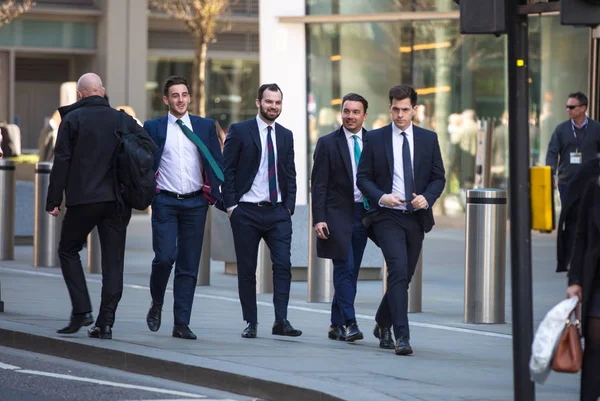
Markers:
<point>547,338</point>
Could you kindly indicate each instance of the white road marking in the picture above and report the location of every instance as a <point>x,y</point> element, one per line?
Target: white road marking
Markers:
<point>110,384</point>
<point>8,367</point>
<point>268,304</point>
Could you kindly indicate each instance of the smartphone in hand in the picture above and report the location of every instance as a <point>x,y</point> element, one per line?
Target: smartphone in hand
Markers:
<point>326,231</point>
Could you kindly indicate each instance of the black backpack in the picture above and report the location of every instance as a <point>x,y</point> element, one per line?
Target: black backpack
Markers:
<point>134,166</point>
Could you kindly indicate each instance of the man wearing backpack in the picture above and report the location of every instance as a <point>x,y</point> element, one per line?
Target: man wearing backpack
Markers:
<point>189,172</point>
<point>84,168</point>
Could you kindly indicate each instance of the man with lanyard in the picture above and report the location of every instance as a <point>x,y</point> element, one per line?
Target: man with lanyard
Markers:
<point>573,142</point>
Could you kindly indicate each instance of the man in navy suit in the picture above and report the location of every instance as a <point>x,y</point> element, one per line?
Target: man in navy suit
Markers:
<point>188,165</point>
<point>338,208</point>
<point>402,175</point>
<point>259,193</point>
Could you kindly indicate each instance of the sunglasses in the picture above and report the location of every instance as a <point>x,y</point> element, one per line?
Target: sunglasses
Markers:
<point>572,107</point>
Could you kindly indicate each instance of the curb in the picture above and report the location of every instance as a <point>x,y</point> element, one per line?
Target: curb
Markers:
<point>145,365</point>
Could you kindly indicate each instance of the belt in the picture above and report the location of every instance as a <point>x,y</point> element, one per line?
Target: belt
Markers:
<point>404,211</point>
<point>262,204</point>
<point>181,196</point>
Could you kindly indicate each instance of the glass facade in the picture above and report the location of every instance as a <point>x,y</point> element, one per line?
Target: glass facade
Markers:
<point>49,34</point>
<point>230,87</point>
<point>460,79</point>
<point>377,6</point>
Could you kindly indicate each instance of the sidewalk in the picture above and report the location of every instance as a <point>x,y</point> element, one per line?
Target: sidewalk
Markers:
<point>452,361</point>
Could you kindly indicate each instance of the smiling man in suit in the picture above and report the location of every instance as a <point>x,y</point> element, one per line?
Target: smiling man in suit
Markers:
<point>402,174</point>
<point>188,165</point>
<point>338,208</point>
<point>259,193</point>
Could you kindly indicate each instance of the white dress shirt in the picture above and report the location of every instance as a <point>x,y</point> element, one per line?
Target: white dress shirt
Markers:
<point>354,162</point>
<point>259,192</point>
<point>180,168</point>
<point>398,179</point>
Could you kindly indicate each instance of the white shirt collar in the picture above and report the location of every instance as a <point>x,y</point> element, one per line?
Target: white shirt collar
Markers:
<point>350,134</point>
<point>185,118</point>
<point>398,131</point>
<point>262,126</point>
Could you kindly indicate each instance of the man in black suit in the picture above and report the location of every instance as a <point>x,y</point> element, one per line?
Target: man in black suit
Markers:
<point>402,174</point>
<point>338,208</point>
<point>259,193</point>
<point>84,169</point>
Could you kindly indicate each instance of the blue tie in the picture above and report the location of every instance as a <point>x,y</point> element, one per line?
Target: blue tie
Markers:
<point>272,171</point>
<point>409,183</point>
<point>357,153</point>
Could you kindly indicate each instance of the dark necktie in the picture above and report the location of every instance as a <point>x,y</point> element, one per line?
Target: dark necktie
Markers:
<point>272,172</point>
<point>409,184</point>
<point>202,147</point>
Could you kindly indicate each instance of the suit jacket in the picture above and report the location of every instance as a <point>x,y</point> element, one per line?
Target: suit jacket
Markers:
<point>332,189</point>
<point>569,212</point>
<point>586,253</point>
<point>207,132</point>
<point>376,170</point>
<point>83,162</point>
<point>242,154</point>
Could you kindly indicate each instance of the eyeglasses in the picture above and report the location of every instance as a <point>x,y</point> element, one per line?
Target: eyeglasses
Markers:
<point>572,107</point>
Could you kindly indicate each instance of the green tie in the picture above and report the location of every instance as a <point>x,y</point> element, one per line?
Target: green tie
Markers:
<point>194,138</point>
<point>357,153</point>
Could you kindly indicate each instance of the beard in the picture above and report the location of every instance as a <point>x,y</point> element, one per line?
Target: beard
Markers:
<point>264,113</point>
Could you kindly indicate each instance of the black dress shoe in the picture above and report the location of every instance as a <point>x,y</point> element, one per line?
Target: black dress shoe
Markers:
<point>183,331</point>
<point>77,322</point>
<point>285,329</point>
<point>403,346</point>
<point>384,334</point>
<point>337,333</point>
<point>250,330</point>
<point>102,332</point>
<point>153,317</point>
<point>353,333</point>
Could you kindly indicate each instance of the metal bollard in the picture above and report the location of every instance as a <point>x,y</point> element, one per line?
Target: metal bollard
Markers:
<point>415,288</point>
<point>46,231</point>
<point>94,252</point>
<point>264,270</point>
<point>485,268</point>
<point>204,270</point>
<point>8,187</point>
<point>320,271</point>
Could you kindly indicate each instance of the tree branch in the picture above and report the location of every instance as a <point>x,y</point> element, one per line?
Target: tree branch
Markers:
<point>11,9</point>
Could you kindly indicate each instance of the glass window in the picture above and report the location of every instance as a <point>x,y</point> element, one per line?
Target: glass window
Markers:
<point>230,87</point>
<point>50,34</point>
<point>376,6</point>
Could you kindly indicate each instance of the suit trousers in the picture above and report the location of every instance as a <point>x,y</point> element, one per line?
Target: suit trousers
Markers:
<point>112,223</point>
<point>250,223</point>
<point>177,236</point>
<point>400,237</point>
<point>345,273</point>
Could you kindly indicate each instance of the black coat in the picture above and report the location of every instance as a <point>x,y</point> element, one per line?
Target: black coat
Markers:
<point>565,235</point>
<point>83,156</point>
<point>242,155</point>
<point>376,169</point>
<point>586,252</point>
<point>332,189</point>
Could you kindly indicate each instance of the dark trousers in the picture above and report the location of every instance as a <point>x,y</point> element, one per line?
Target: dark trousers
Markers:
<point>250,223</point>
<point>112,223</point>
<point>562,193</point>
<point>345,273</point>
<point>400,237</point>
<point>177,236</point>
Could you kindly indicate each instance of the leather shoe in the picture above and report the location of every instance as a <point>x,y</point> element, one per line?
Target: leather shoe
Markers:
<point>153,317</point>
<point>337,333</point>
<point>403,346</point>
<point>102,332</point>
<point>353,333</point>
<point>250,330</point>
<point>384,334</point>
<point>77,322</point>
<point>183,331</point>
<point>285,329</point>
